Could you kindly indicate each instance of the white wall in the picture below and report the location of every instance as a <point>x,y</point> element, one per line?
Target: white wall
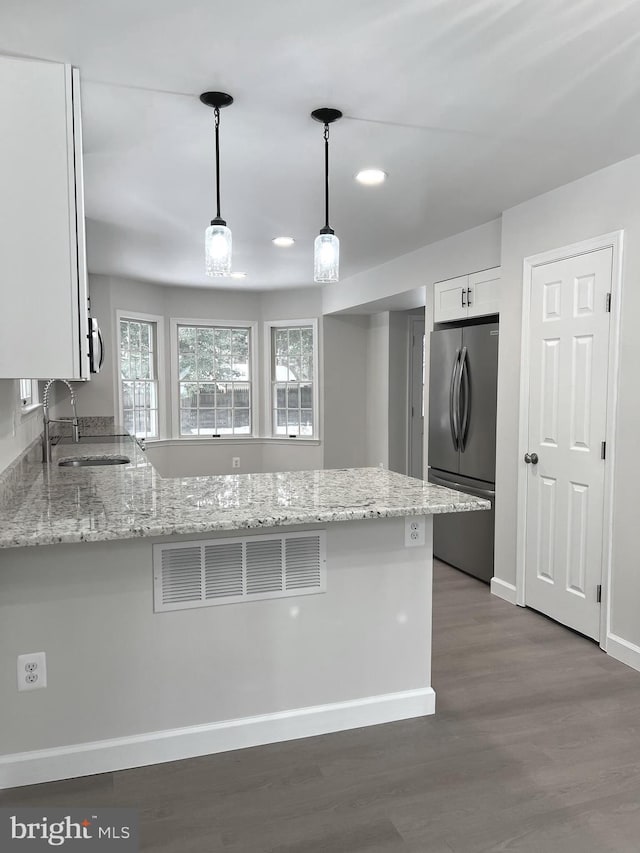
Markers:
<point>117,669</point>
<point>476,249</point>
<point>17,430</point>
<point>599,203</point>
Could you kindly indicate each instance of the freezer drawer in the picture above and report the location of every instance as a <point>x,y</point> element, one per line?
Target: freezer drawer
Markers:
<point>465,540</point>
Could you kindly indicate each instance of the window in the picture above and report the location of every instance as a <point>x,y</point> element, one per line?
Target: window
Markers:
<point>28,393</point>
<point>138,377</point>
<point>214,379</point>
<point>293,380</point>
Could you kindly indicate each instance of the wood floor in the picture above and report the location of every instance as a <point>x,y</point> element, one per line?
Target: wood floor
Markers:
<point>535,746</point>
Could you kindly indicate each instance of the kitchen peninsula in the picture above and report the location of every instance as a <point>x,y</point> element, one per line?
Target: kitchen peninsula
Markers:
<point>322,623</point>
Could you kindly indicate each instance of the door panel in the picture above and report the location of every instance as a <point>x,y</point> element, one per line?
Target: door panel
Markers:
<point>450,299</point>
<point>477,458</point>
<point>465,539</point>
<point>484,292</point>
<point>569,350</point>
<point>445,346</point>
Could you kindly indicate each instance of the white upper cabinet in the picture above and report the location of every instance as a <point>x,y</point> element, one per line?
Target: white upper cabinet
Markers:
<point>483,295</point>
<point>43,278</point>
<point>473,295</point>
<point>450,299</point>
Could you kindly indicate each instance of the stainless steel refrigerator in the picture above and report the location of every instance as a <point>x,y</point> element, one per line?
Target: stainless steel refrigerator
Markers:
<point>463,380</point>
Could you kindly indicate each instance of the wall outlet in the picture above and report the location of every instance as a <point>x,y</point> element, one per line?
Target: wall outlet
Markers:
<point>235,461</point>
<point>414,530</point>
<point>32,671</point>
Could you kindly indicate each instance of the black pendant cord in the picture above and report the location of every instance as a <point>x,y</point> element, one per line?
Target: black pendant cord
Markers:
<point>326,176</point>
<point>217,126</point>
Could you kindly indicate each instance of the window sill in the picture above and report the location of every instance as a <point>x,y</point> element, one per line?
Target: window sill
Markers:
<point>26,411</point>
<point>231,439</point>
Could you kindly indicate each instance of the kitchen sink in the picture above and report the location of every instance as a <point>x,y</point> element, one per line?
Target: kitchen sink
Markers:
<point>93,460</point>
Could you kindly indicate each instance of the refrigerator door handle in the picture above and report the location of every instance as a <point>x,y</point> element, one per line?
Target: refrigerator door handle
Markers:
<point>466,410</point>
<point>460,357</point>
<point>489,494</point>
<point>454,410</point>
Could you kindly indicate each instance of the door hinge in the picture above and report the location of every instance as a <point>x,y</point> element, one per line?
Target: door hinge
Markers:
<point>603,450</point>
<point>609,302</point>
<point>599,593</point>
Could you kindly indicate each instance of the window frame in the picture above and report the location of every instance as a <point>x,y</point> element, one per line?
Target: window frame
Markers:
<point>33,400</point>
<point>254,383</point>
<point>269,409</point>
<point>158,321</point>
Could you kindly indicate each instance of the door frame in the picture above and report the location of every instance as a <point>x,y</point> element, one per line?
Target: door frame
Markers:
<point>614,241</point>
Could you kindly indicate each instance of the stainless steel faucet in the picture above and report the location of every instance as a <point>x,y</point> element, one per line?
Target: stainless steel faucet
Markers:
<point>46,437</point>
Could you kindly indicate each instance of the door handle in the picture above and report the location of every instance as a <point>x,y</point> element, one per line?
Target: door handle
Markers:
<point>531,458</point>
<point>101,349</point>
<point>461,487</point>
<point>464,419</point>
<point>462,292</point>
<point>453,411</point>
<point>468,296</point>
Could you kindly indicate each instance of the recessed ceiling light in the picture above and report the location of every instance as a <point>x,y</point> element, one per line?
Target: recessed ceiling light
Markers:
<point>238,275</point>
<point>283,242</point>
<point>371,177</point>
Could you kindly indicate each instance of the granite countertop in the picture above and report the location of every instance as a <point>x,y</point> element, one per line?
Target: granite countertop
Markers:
<point>49,504</point>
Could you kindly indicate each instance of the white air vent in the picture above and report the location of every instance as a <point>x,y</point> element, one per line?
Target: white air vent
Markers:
<point>225,571</point>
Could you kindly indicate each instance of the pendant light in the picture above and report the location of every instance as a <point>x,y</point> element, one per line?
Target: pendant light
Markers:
<point>326,250</point>
<point>217,235</point>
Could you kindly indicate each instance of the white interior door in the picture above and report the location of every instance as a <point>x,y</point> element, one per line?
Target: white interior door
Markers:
<point>568,364</point>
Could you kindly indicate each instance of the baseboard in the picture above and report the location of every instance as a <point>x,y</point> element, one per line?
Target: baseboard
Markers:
<point>502,589</point>
<point>104,756</point>
<point>624,651</point>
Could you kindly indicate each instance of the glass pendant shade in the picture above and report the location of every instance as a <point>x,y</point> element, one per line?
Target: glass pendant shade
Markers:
<point>218,250</point>
<point>326,258</point>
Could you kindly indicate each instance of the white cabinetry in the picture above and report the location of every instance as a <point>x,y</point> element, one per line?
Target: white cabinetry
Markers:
<point>483,293</point>
<point>473,295</point>
<point>43,322</point>
<point>450,299</point>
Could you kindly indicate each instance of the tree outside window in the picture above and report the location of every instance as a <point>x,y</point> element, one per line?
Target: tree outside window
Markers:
<point>214,377</point>
<point>292,380</point>
<point>138,377</point>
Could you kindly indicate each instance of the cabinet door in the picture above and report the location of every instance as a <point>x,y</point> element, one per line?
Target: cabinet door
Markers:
<point>40,320</point>
<point>450,299</point>
<point>484,292</point>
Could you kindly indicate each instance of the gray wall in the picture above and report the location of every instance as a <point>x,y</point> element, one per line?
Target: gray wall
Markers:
<point>398,390</point>
<point>377,391</point>
<point>597,204</point>
<point>345,390</point>
<point>100,396</point>
<point>201,457</point>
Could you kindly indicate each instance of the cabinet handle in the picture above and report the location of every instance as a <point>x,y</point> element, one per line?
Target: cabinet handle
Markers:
<point>462,297</point>
<point>468,296</point>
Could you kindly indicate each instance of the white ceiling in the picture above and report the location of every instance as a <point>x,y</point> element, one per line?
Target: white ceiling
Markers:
<point>471,106</point>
